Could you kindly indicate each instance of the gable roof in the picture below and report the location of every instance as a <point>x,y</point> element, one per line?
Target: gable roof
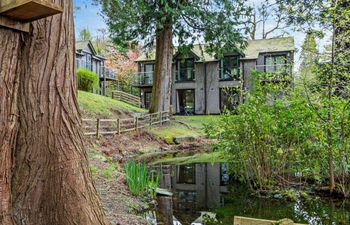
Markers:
<point>81,45</point>
<point>254,48</point>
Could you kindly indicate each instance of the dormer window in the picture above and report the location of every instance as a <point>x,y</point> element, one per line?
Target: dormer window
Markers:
<point>229,68</point>
<point>275,63</point>
<point>185,70</point>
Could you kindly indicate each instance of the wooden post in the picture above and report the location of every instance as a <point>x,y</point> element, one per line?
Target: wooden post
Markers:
<point>112,94</point>
<point>137,124</point>
<point>118,121</point>
<point>161,117</point>
<point>165,210</point>
<point>98,128</point>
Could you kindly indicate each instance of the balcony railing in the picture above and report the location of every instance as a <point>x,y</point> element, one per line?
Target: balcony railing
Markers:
<point>109,73</point>
<point>276,72</point>
<point>144,79</point>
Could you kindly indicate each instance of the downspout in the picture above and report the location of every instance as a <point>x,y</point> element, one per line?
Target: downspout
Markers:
<point>205,89</point>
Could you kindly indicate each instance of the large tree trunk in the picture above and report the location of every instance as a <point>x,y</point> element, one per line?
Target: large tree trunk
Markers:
<point>50,181</point>
<point>9,58</point>
<point>161,91</point>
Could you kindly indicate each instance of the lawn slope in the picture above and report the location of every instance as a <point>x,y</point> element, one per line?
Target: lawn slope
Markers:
<point>93,105</point>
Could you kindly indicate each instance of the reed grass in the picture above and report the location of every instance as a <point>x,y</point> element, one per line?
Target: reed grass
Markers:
<point>140,180</point>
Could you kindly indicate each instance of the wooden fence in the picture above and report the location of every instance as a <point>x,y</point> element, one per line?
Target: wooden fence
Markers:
<point>117,126</point>
<point>126,97</point>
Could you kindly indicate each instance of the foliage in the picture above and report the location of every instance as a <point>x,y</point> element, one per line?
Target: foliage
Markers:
<point>85,35</point>
<point>140,180</point>
<point>309,56</point>
<point>87,80</point>
<point>220,23</point>
<point>110,170</point>
<point>272,136</point>
<point>333,77</point>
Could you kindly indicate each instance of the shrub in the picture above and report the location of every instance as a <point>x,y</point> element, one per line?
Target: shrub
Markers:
<point>87,80</point>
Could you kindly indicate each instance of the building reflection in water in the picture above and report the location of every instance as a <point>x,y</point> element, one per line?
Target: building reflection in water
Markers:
<point>196,186</point>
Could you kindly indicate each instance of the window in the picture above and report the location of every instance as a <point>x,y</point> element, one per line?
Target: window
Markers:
<point>186,200</point>
<point>229,98</point>
<point>186,174</point>
<point>276,63</point>
<point>185,70</point>
<point>78,63</point>
<point>88,62</point>
<point>186,101</point>
<point>148,74</point>
<point>224,176</point>
<point>148,97</point>
<point>229,68</point>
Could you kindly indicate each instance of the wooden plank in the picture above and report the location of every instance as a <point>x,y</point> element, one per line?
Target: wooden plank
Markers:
<point>108,120</point>
<point>15,25</point>
<point>28,10</point>
<point>238,220</point>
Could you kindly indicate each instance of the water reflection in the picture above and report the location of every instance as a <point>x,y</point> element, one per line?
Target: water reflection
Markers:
<point>206,189</point>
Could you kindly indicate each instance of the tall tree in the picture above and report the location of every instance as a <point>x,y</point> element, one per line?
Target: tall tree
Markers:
<point>267,21</point>
<point>222,24</point>
<point>309,55</point>
<point>85,35</point>
<point>44,175</point>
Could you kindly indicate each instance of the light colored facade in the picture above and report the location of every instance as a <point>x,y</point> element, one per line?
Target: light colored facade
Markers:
<point>86,57</point>
<point>204,84</point>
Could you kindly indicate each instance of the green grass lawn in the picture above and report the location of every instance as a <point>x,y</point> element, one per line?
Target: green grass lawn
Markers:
<point>182,126</point>
<point>96,105</point>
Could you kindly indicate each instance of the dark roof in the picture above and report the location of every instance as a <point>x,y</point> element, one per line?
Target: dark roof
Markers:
<point>254,48</point>
<point>81,45</point>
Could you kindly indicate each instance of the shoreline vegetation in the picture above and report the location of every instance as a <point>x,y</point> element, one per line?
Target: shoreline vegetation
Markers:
<point>153,146</point>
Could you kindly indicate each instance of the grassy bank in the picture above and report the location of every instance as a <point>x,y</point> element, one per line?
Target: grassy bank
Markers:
<point>183,126</point>
<point>93,105</point>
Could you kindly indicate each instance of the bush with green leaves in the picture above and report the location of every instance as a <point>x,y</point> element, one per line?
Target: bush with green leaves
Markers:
<point>272,136</point>
<point>87,80</point>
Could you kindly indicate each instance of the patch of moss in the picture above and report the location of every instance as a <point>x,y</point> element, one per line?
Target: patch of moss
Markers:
<point>109,171</point>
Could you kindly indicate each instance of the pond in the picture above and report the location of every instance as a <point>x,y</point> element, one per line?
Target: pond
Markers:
<point>205,189</point>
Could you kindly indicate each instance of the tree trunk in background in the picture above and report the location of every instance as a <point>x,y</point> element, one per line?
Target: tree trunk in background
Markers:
<point>161,91</point>
<point>50,182</point>
<point>9,58</point>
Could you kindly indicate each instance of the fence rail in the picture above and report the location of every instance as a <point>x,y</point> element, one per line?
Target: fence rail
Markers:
<point>118,126</point>
<point>126,97</point>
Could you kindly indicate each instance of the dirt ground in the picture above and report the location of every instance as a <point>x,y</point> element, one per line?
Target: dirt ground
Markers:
<point>106,157</point>
<point>108,154</point>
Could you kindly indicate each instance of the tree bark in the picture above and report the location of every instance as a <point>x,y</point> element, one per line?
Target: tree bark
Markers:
<point>161,91</point>
<point>9,58</point>
<point>50,183</point>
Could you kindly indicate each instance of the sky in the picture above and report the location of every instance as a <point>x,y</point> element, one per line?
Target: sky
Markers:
<point>89,16</point>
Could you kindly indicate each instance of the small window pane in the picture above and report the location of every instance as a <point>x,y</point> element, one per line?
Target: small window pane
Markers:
<point>187,174</point>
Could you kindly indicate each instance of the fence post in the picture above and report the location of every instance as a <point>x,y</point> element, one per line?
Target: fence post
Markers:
<point>118,121</point>
<point>137,124</point>
<point>161,117</point>
<point>98,128</point>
